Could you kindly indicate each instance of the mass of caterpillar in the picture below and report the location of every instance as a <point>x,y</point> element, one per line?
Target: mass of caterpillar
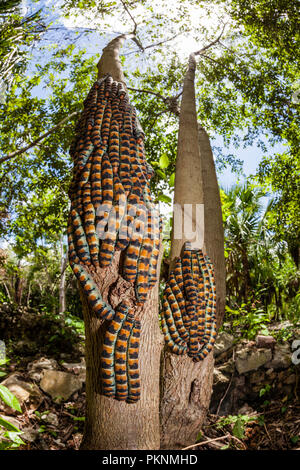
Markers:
<point>112,209</point>
<point>188,313</point>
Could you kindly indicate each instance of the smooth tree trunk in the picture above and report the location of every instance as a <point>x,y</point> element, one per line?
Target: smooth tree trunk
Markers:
<point>213,231</point>
<point>110,424</point>
<point>186,386</point>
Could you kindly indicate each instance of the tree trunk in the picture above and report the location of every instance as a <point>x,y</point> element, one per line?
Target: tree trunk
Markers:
<point>19,286</point>
<point>62,281</point>
<point>214,232</point>
<point>111,424</point>
<point>187,386</point>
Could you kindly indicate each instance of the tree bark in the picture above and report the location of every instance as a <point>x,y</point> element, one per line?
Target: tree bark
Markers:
<point>187,386</point>
<point>214,231</point>
<point>110,424</point>
<point>188,173</point>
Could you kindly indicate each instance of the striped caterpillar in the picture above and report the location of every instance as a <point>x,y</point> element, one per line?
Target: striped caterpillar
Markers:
<point>112,210</point>
<point>188,313</point>
<point>119,359</point>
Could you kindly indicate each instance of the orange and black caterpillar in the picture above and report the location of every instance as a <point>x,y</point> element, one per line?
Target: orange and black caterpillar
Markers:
<point>89,287</point>
<point>119,360</point>
<point>108,352</point>
<point>188,313</point>
<point>110,207</point>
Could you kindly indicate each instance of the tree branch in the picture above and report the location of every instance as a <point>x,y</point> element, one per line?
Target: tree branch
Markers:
<point>170,102</point>
<point>154,45</point>
<point>36,141</point>
<point>207,442</point>
<point>131,17</point>
<point>215,41</point>
<point>148,91</point>
<point>162,42</point>
<point>134,38</point>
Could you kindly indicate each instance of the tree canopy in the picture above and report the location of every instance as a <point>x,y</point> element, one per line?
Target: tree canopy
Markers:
<point>246,80</point>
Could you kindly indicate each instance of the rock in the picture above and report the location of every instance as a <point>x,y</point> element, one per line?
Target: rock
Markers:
<point>219,378</point>
<point>227,368</point>
<point>281,358</point>
<point>78,368</point>
<point>220,384</point>
<point>223,342</point>
<point>24,391</point>
<point>50,418</point>
<point>248,359</point>
<point>265,341</point>
<point>29,434</point>
<point>245,410</point>
<point>35,368</point>
<point>60,385</point>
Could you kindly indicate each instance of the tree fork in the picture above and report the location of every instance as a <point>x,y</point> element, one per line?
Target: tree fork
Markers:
<point>111,424</point>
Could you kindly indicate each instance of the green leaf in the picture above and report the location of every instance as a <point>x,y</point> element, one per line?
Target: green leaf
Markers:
<point>9,399</point>
<point>164,198</point>
<point>14,437</point>
<point>7,425</point>
<point>238,429</point>
<point>164,161</point>
<point>172,180</point>
<point>161,174</point>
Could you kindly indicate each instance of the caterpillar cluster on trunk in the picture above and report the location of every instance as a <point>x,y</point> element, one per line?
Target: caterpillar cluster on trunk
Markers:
<point>112,209</point>
<point>188,314</point>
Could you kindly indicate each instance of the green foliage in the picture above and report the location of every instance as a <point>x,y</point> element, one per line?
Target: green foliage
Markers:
<point>264,390</point>
<point>9,399</point>
<point>282,174</point>
<point>284,334</point>
<point>237,422</point>
<point>28,331</point>
<point>262,280</point>
<point>17,34</point>
<point>248,320</point>
<point>9,434</point>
